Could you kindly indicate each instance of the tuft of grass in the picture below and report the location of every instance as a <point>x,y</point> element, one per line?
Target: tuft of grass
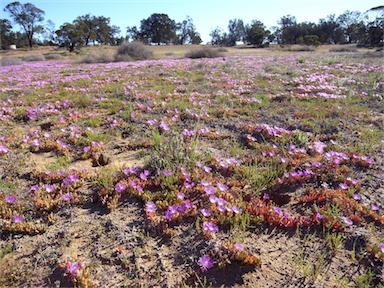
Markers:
<point>60,163</point>
<point>32,58</point>
<point>343,49</point>
<point>98,57</point>
<point>204,53</point>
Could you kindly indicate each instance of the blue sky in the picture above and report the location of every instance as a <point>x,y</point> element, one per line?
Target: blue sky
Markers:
<point>206,14</point>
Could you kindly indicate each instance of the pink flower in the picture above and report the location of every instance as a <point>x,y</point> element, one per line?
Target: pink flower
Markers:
<point>205,263</point>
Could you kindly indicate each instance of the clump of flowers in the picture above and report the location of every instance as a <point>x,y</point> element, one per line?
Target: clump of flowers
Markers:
<point>78,272</point>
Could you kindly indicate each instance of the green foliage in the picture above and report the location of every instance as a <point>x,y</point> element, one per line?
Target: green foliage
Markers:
<point>158,28</point>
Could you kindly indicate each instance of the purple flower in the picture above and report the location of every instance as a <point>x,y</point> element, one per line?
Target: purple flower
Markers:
<point>210,190</point>
<point>167,173</point>
<point>239,247</point>
<point>356,197</point>
<point>374,207</point>
<point>210,227</point>
<point>278,210</point>
<point>67,181</point>
<point>266,196</point>
<point>120,187</point>
<point>74,177</point>
<point>205,182</point>
<point>381,246</point>
<point>188,204</point>
<point>49,188</point>
<point>237,210</point>
<point>347,220</point>
<point>17,219</point>
<point>205,262</point>
<point>168,214</point>
<point>213,199</point>
<point>343,186</point>
<point>86,149</point>
<point>207,169</point>
<point>145,174</point>
<point>221,201</point>
<point>67,197</point>
<point>205,212</point>
<point>318,215</point>
<point>10,199</point>
<point>150,207</point>
<point>34,188</point>
<point>73,268</point>
<point>222,187</point>
<point>3,149</point>
<point>180,195</point>
<point>164,126</point>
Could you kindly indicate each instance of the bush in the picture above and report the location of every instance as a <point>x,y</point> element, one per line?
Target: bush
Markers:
<point>204,53</point>
<point>31,58</point>
<point>344,49</point>
<point>98,57</point>
<point>133,51</point>
<point>53,56</point>
<point>222,49</point>
<point>7,61</point>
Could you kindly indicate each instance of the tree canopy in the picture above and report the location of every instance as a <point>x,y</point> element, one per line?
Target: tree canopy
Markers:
<point>27,16</point>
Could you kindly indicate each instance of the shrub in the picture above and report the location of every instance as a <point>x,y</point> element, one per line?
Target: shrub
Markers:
<point>133,51</point>
<point>344,49</point>
<point>204,53</point>
<point>98,57</point>
<point>7,61</point>
<point>31,58</point>
<point>222,50</point>
<point>53,56</point>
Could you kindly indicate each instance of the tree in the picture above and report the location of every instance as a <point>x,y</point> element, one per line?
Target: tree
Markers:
<point>255,33</point>
<point>97,30</point>
<point>187,32</point>
<point>236,31</point>
<point>216,36</point>
<point>70,36</point>
<point>158,28</point>
<point>27,16</point>
<point>5,33</point>
<point>329,31</point>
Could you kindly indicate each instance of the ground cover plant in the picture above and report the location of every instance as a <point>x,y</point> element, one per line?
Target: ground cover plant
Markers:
<point>255,171</point>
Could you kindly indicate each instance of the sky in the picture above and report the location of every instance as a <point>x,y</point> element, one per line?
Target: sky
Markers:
<point>206,14</point>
